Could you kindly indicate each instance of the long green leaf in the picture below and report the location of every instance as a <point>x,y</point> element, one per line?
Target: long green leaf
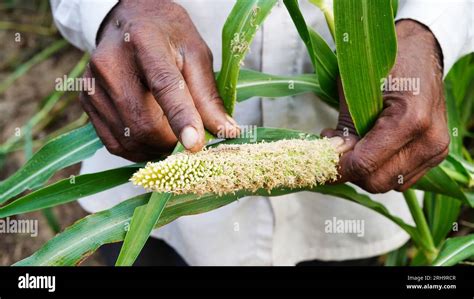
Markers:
<point>438,181</point>
<point>455,250</point>
<point>68,190</point>
<point>323,58</point>
<point>85,236</point>
<point>441,212</point>
<point>366,51</point>
<point>143,221</point>
<point>256,84</point>
<point>61,152</point>
<point>238,32</point>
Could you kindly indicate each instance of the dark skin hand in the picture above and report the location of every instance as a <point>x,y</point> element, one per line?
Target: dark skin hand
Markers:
<point>155,86</point>
<point>410,135</point>
<point>154,82</point>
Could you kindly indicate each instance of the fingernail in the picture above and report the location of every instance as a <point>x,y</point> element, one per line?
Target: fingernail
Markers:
<point>336,141</point>
<point>189,137</point>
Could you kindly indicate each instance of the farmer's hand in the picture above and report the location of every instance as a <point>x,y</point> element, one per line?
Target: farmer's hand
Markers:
<point>154,82</point>
<point>411,135</point>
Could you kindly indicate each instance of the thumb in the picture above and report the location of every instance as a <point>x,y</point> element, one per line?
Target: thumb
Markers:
<point>344,137</point>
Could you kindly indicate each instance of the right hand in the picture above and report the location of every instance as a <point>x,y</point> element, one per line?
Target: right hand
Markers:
<point>154,82</point>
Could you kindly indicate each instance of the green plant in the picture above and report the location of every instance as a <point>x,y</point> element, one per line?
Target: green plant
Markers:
<point>448,186</point>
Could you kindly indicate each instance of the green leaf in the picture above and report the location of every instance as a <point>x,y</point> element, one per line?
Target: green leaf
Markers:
<point>256,84</point>
<point>438,181</point>
<point>397,257</point>
<point>323,58</point>
<point>366,51</point>
<point>68,190</point>
<point>441,212</point>
<point>324,6</point>
<point>143,221</point>
<point>61,152</point>
<point>455,250</point>
<point>85,236</point>
<point>238,32</point>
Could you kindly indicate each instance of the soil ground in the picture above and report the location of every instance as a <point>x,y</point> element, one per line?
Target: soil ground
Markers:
<point>20,102</point>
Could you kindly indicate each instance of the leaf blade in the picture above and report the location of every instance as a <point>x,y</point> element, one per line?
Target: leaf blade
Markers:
<point>366,51</point>
<point>455,250</point>
<point>61,152</point>
<point>237,34</point>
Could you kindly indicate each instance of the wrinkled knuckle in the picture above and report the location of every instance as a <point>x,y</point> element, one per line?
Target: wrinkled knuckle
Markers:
<point>176,114</point>
<point>164,82</point>
<point>396,104</point>
<point>362,167</point>
<point>420,119</point>
<point>439,145</point>
<point>143,130</point>
<point>99,62</point>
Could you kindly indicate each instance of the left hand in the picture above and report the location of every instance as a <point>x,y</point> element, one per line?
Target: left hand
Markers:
<point>411,134</point>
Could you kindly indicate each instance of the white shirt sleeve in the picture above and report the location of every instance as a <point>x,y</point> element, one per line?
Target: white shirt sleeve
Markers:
<point>79,20</point>
<point>451,22</point>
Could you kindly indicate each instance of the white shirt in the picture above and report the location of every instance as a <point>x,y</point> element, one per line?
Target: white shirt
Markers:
<point>291,228</point>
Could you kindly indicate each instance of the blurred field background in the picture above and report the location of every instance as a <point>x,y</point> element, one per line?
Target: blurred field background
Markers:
<point>33,54</point>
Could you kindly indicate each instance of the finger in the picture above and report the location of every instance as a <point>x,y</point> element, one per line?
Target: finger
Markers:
<point>421,171</point>
<point>346,142</point>
<point>168,87</point>
<point>405,165</point>
<point>104,133</point>
<point>394,129</point>
<point>109,116</point>
<point>199,76</point>
<point>103,105</point>
<point>141,123</point>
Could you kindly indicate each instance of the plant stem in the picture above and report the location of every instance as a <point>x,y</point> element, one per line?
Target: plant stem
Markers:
<point>52,220</point>
<point>428,248</point>
<point>328,14</point>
